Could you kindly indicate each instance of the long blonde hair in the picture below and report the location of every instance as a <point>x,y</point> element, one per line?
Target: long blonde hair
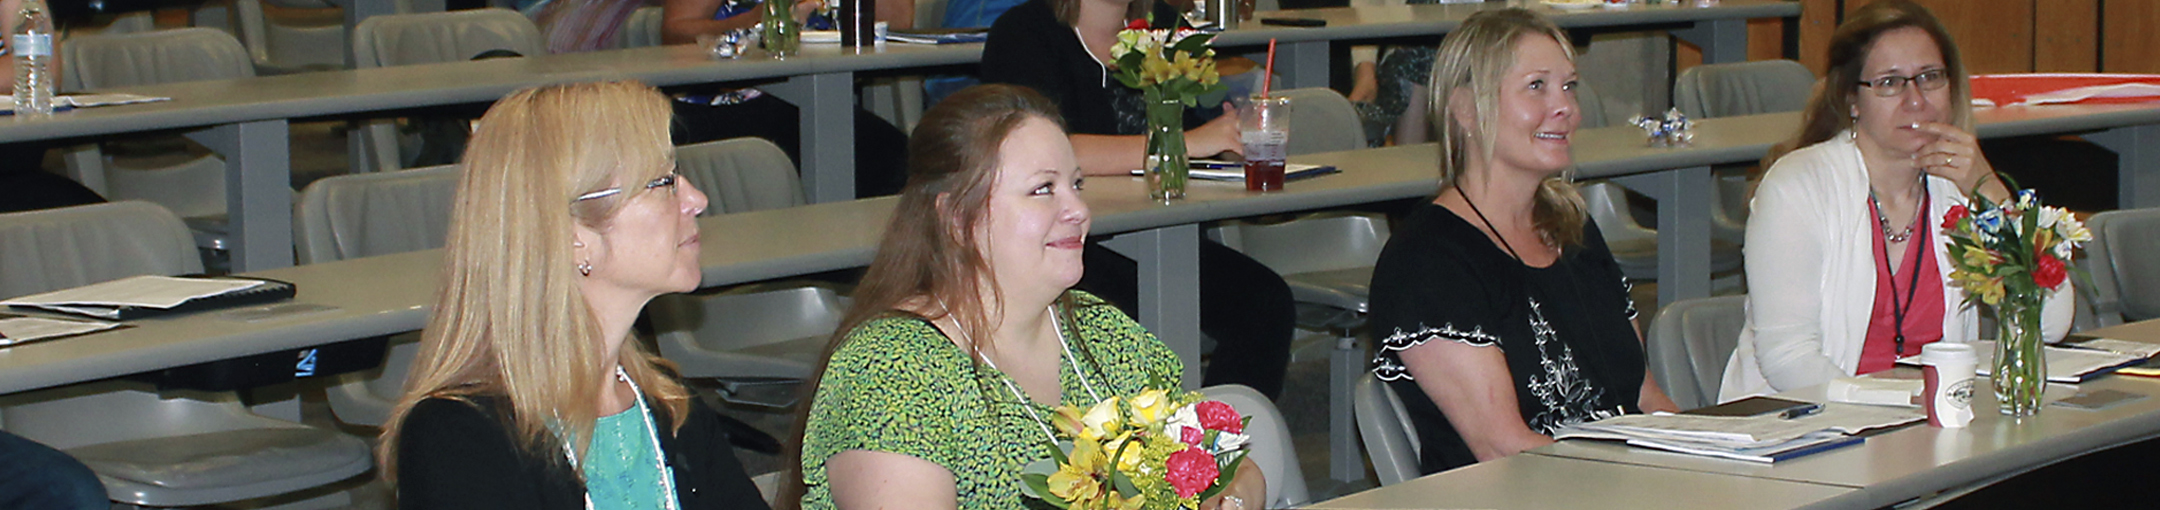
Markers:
<point>510,321</point>
<point>1474,57</point>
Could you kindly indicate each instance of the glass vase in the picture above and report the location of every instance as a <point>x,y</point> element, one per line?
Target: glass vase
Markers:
<point>1167,168</point>
<point>2020,371</point>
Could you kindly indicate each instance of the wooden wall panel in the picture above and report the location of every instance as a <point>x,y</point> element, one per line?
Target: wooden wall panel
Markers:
<point>2064,36</point>
<point>1996,36</point>
<point>1818,19</point>
<point>2130,42</point>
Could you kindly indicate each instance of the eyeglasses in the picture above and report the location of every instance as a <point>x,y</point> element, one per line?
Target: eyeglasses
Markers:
<point>665,181</point>
<point>1891,86</point>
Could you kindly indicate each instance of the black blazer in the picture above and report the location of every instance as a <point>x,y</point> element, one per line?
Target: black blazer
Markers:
<point>456,454</point>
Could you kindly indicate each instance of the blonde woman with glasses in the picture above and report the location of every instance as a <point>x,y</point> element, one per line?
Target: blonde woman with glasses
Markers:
<point>1846,265</point>
<point>528,391</point>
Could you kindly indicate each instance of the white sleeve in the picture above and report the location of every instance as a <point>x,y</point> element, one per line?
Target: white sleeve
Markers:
<point>2059,311</point>
<point>1364,54</point>
<point>1785,272</point>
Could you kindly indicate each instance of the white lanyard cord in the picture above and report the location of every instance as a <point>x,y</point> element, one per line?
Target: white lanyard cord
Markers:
<point>667,477</point>
<point>1026,403</point>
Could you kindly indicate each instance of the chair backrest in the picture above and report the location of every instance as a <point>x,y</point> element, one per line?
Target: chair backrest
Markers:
<point>741,175</point>
<point>362,215</point>
<point>1321,120</point>
<point>1590,106</point>
<point>1390,439</point>
<point>1607,203</point>
<point>280,47</point>
<point>1320,242</point>
<point>1689,344</point>
<point>55,249</point>
<point>2125,272</point>
<point>1271,448</point>
<point>408,39</point>
<point>162,56</point>
<point>641,29</point>
<point>1742,88</point>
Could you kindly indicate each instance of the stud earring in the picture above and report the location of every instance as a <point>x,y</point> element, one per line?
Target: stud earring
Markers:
<point>584,268</point>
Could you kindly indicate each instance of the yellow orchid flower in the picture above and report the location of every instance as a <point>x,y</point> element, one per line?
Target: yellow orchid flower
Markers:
<point>1151,406</point>
<point>1079,480</point>
<point>1101,421</point>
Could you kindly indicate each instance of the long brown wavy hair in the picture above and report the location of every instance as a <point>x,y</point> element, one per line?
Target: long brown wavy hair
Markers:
<point>1829,111</point>
<point>930,263</point>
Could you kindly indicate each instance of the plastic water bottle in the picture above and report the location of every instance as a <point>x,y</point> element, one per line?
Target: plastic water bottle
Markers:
<point>31,45</point>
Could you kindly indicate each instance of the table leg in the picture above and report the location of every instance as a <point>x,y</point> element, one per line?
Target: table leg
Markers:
<point>1683,197</point>
<point>1169,267</point>
<point>2138,165</point>
<point>258,191</point>
<point>1722,41</point>
<point>827,102</point>
<point>1303,64</point>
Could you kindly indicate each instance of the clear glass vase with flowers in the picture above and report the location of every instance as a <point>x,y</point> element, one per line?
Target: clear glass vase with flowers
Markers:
<point>1174,69</point>
<point>2009,257</point>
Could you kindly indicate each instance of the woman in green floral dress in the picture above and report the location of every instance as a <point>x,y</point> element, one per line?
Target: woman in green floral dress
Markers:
<point>965,331</point>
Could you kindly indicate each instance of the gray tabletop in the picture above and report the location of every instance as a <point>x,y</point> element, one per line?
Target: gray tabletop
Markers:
<point>1540,482</point>
<point>1920,460</point>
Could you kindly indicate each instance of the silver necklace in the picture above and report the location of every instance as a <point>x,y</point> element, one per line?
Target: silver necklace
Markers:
<point>1883,222</point>
<point>1027,404</point>
<point>667,477</point>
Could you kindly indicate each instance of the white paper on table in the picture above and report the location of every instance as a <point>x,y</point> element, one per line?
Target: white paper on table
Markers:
<point>142,291</point>
<point>2139,349</point>
<point>1874,391</point>
<point>7,102</point>
<point>2064,365</point>
<point>2119,90</point>
<point>1742,431</point>
<point>29,329</point>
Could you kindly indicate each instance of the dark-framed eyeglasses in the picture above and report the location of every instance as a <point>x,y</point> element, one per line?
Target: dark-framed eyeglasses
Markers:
<point>665,181</point>
<point>1891,86</point>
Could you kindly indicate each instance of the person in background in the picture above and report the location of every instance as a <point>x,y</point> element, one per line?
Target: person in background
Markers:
<point>528,391</point>
<point>33,475</point>
<point>24,184</point>
<point>723,113</point>
<point>1061,48</point>
<point>1499,313</point>
<point>937,388</point>
<point>1846,266</point>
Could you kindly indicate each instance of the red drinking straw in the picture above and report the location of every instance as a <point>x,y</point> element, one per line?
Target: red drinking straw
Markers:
<point>1267,77</point>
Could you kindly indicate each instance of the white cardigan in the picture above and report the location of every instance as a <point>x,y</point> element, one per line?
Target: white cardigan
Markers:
<point>1811,273</point>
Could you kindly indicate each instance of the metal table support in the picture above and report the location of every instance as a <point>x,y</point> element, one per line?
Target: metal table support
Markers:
<point>258,191</point>
<point>2138,174</point>
<point>1169,268</point>
<point>827,102</point>
<point>1683,197</point>
<point>1722,41</point>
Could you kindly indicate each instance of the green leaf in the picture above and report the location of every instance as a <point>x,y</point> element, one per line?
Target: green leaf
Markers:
<point>1124,484</point>
<point>1228,472</point>
<point>1036,486</point>
<point>1213,96</point>
<point>1057,451</point>
<point>1195,44</point>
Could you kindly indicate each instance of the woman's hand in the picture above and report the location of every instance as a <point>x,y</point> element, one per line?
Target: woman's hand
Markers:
<point>1215,137</point>
<point>1955,155</point>
<point>1248,491</point>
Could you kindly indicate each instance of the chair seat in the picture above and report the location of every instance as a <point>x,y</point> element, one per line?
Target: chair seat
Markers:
<point>1638,257</point>
<point>1343,288</point>
<point>208,468</point>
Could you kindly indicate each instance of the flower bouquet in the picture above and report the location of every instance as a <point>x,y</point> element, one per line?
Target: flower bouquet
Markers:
<point>2010,257</point>
<point>1154,450</point>
<point>1175,70</point>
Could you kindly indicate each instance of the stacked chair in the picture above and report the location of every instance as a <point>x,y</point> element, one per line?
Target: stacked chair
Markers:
<point>150,447</point>
<point>411,39</point>
<point>1689,345</point>
<point>2125,286</point>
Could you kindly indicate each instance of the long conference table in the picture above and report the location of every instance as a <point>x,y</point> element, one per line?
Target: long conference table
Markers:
<point>1905,464</point>
<point>392,294</point>
<point>247,121</point>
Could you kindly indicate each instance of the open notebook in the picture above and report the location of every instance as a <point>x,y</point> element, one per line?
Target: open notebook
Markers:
<point>145,296</point>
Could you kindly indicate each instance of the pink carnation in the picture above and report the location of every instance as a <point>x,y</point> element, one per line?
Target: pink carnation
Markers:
<point>1191,471</point>
<point>1215,415</point>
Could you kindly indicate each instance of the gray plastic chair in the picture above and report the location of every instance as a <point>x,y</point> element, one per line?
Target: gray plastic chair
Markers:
<point>641,29</point>
<point>1321,120</point>
<point>757,341</point>
<point>1689,344</point>
<point>364,215</point>
<point>1742,88</point>
<point>1390,438</point>
<point>2125,270</point>
<point>1327,259</point>
<point>195,187</point>
<point>411,39</point>
<point>152,449</point>
<point>1270,448</point>
<point>279,48</point>
<point>1634,246</point>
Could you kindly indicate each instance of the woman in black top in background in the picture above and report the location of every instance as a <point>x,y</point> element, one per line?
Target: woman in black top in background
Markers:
<point>1500,314</point>
<point>1060,48</point>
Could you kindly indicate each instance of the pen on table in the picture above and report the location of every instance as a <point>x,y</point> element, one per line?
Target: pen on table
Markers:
<point>1803,412</point>
<point>1200,165</point>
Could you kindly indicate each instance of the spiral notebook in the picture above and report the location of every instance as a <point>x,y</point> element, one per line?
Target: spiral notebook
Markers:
<point>149,296</point>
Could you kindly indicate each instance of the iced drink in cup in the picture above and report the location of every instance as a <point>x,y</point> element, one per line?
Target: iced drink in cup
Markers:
<point>1264,127</point>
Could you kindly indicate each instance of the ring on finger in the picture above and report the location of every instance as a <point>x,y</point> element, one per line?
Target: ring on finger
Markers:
<point>1234,500</point>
